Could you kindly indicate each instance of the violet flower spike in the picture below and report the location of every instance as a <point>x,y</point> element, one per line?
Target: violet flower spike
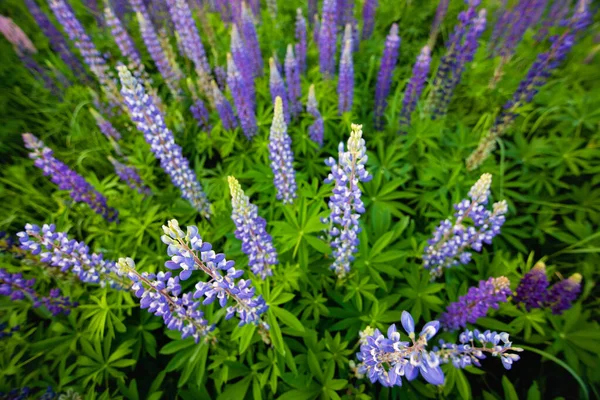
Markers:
<point>244,66</point>
<point>224,108</point>
<point>414,87</point>
<point>317,128</point>
<point>292,77</point>
<point>257,244</point>
<point>190,41</point>
<point>150,121</point>
<point>327,39</point>
<point>440,14</point>
<point>368,14</point>
<point>277,88</point>
<point>241,98</point>
<point>281,156</point>
<point>533,288</point>
<point>301,40</point>
<point>346,79</point>
<point>562,294</point>
<point>251,40</point>
<point>130,176</point>
<point>105,126</point>
<point>345,203</point>
<point>384,76</point>
<point>200,113</point>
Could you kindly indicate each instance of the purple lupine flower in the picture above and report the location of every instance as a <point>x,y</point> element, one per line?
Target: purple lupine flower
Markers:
<point>105,126</point>
<point>476,303</point>
<point>316,32</point>
<point>15,35</point>
<point>317,128</point>
<point>556,15</point>
<point>345,10</point>
<point>169,72</point>
<point>130,176</point>
<point>19,288</point>
<point>345,203</point>
<point>236,10</point>
<point>56,39</point>
<point>440,14</point>
<point>277,63</point>
<point>277,88</point>
<point>251,41</point>
<point>536,77</point>
<point>188,34</point>
<point>223,8</point>
<point>68,255</point>
<point>292,78</point>
<point>346,79</point>
<point>221,77</point>
<point>188,252</point>
<point>161,295</point>
<point>562,294</point>
<point>467,353</point>
<point>200,113</point>
<point>244,67</point>
<point>459,50</point>
<point>151,123</point>
<point>415,86</point>
<point>281,156</point>
<point>327,39</point>
<point>224,108</point>
<point>532,290</point>
<point>451,240</point>
<point>368,13</point>
<point>384,76</point>
<point>312,10</point>
<point>39,73</point>
<point>301,39</point>
<point>67,179</point>
<point>512,25</point>
<point>123,40</point>
<point>241,98</point>
<point>257,244</point>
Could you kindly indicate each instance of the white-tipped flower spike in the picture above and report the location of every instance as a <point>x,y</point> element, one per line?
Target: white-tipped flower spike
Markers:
<point>480,191</point>
<point>281,156</point>
<point>257,244</point>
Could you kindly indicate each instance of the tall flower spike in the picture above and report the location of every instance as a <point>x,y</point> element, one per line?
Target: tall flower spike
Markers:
<point>317,31</point>
<point>301,39</point>
<point>317,128</point>
<point>277,88</point>
<point>415,86</point>
<point>251,40</point>
<point>368,13</point>
<point>150,121</point>
<point>562,294</point>
<point>345,203</point>
<point>130,176</point>
<point>327,39</point>
<point>292,77</point>
<point>281,156</point>
<point>346,79</point>
<point>452,240</point>
<point>189,252</point>
<point>241,98</point>
<point>384,76</point>
<point>257,244</point>
<point>123,40</point>
<point>105,126</point>
<point>536,77</point>
<point>190,41</point>
<point>200,113</point>
<point>223,108</point>
<point>476,303</point>
<point>532,290</point>
<point>68,255</point>
<point>440,13</point>
<point>244,66</point>
<point>161,295</point>
<point>67,179</point>
<point>387,359</point>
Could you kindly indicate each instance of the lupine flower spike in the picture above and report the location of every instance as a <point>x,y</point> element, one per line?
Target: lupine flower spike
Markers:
<point>130,176</point>
<point>415,86</point>
<point>532,290</point>
<point>368,13</point>
<point>241,98</point>
<point>562,294</point>
<point>327,39</point>
<point>345,204</point>
<point>292,77</point>
<point>277,88</point>
<point>388,359</point>
<point>68,255</point>
<point>251,40</point>
<point>105,126</point>
<point>224,108</point>
<point>189,252</point>
<point>476,303</point>
<point>317,128</point>
<point>452,240</point>
<point>301,39</point>
<point>384,76</point>
<point>346,80</point>
<point>66,178</point>
<point>440,13</point>
<point>200,113</point>
<point>281,156</point>
<point>161,295</point>
<point>242,62</point>
<point>151,123</point>
<point>257,244</point>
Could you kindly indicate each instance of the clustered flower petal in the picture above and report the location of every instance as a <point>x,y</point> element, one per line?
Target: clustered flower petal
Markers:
<point>244,103</point>
<point>257,244</point>
<point>189,38</point>
<point>66,178</point>
<point>292,77</point>
<point>415,85</point>
<point>281,156</point>
<point>200,113</point>
<point>346,79</point>
<point>476,303</point>
<point>532,290</point>
<point>301,39</point>
<point>327,39</point>
<point>251,41</point>
<point>368,14</point>
<point>150,121</point>
<point>277,88</point>
<point>562,294</point>
<point>452,240</point>
<point>384,76</point>
<point>224,108</point>
<point>345,204</point>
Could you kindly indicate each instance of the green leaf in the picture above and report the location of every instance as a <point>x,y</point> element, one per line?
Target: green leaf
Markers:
<point>534,392</point>
<point>314,366</point>
<point>509,390</point>
<point>463,385</point>
<point>288,318</point>
<point>246,338</point>
<point>237,390</point>
<point>275,333</point>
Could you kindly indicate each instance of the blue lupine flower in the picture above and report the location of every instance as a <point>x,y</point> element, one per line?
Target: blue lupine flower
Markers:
<point>150,121</point>
<point>562,294</point>
<point>257,244</point>
<point>292,78</point>
<point>345,203</point>
<point>301,38</point>
<point>384,76</point>
<point>317,128</point>
<point>414,87</point>
<point>105,126</point>
<point>327,39</point>
<point>130,176</point>
<point>451,240</point>
<point>251,40</point>
<point>241,94</point>
<point>368,14</point>
<point>533,288</point>
<point>277,88</point>
<point>346,79</point>
<point>189,38</point>
<point>200,113</point>
<point>281,156</point>
<point>223,107</point>
<point>242,62</point>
